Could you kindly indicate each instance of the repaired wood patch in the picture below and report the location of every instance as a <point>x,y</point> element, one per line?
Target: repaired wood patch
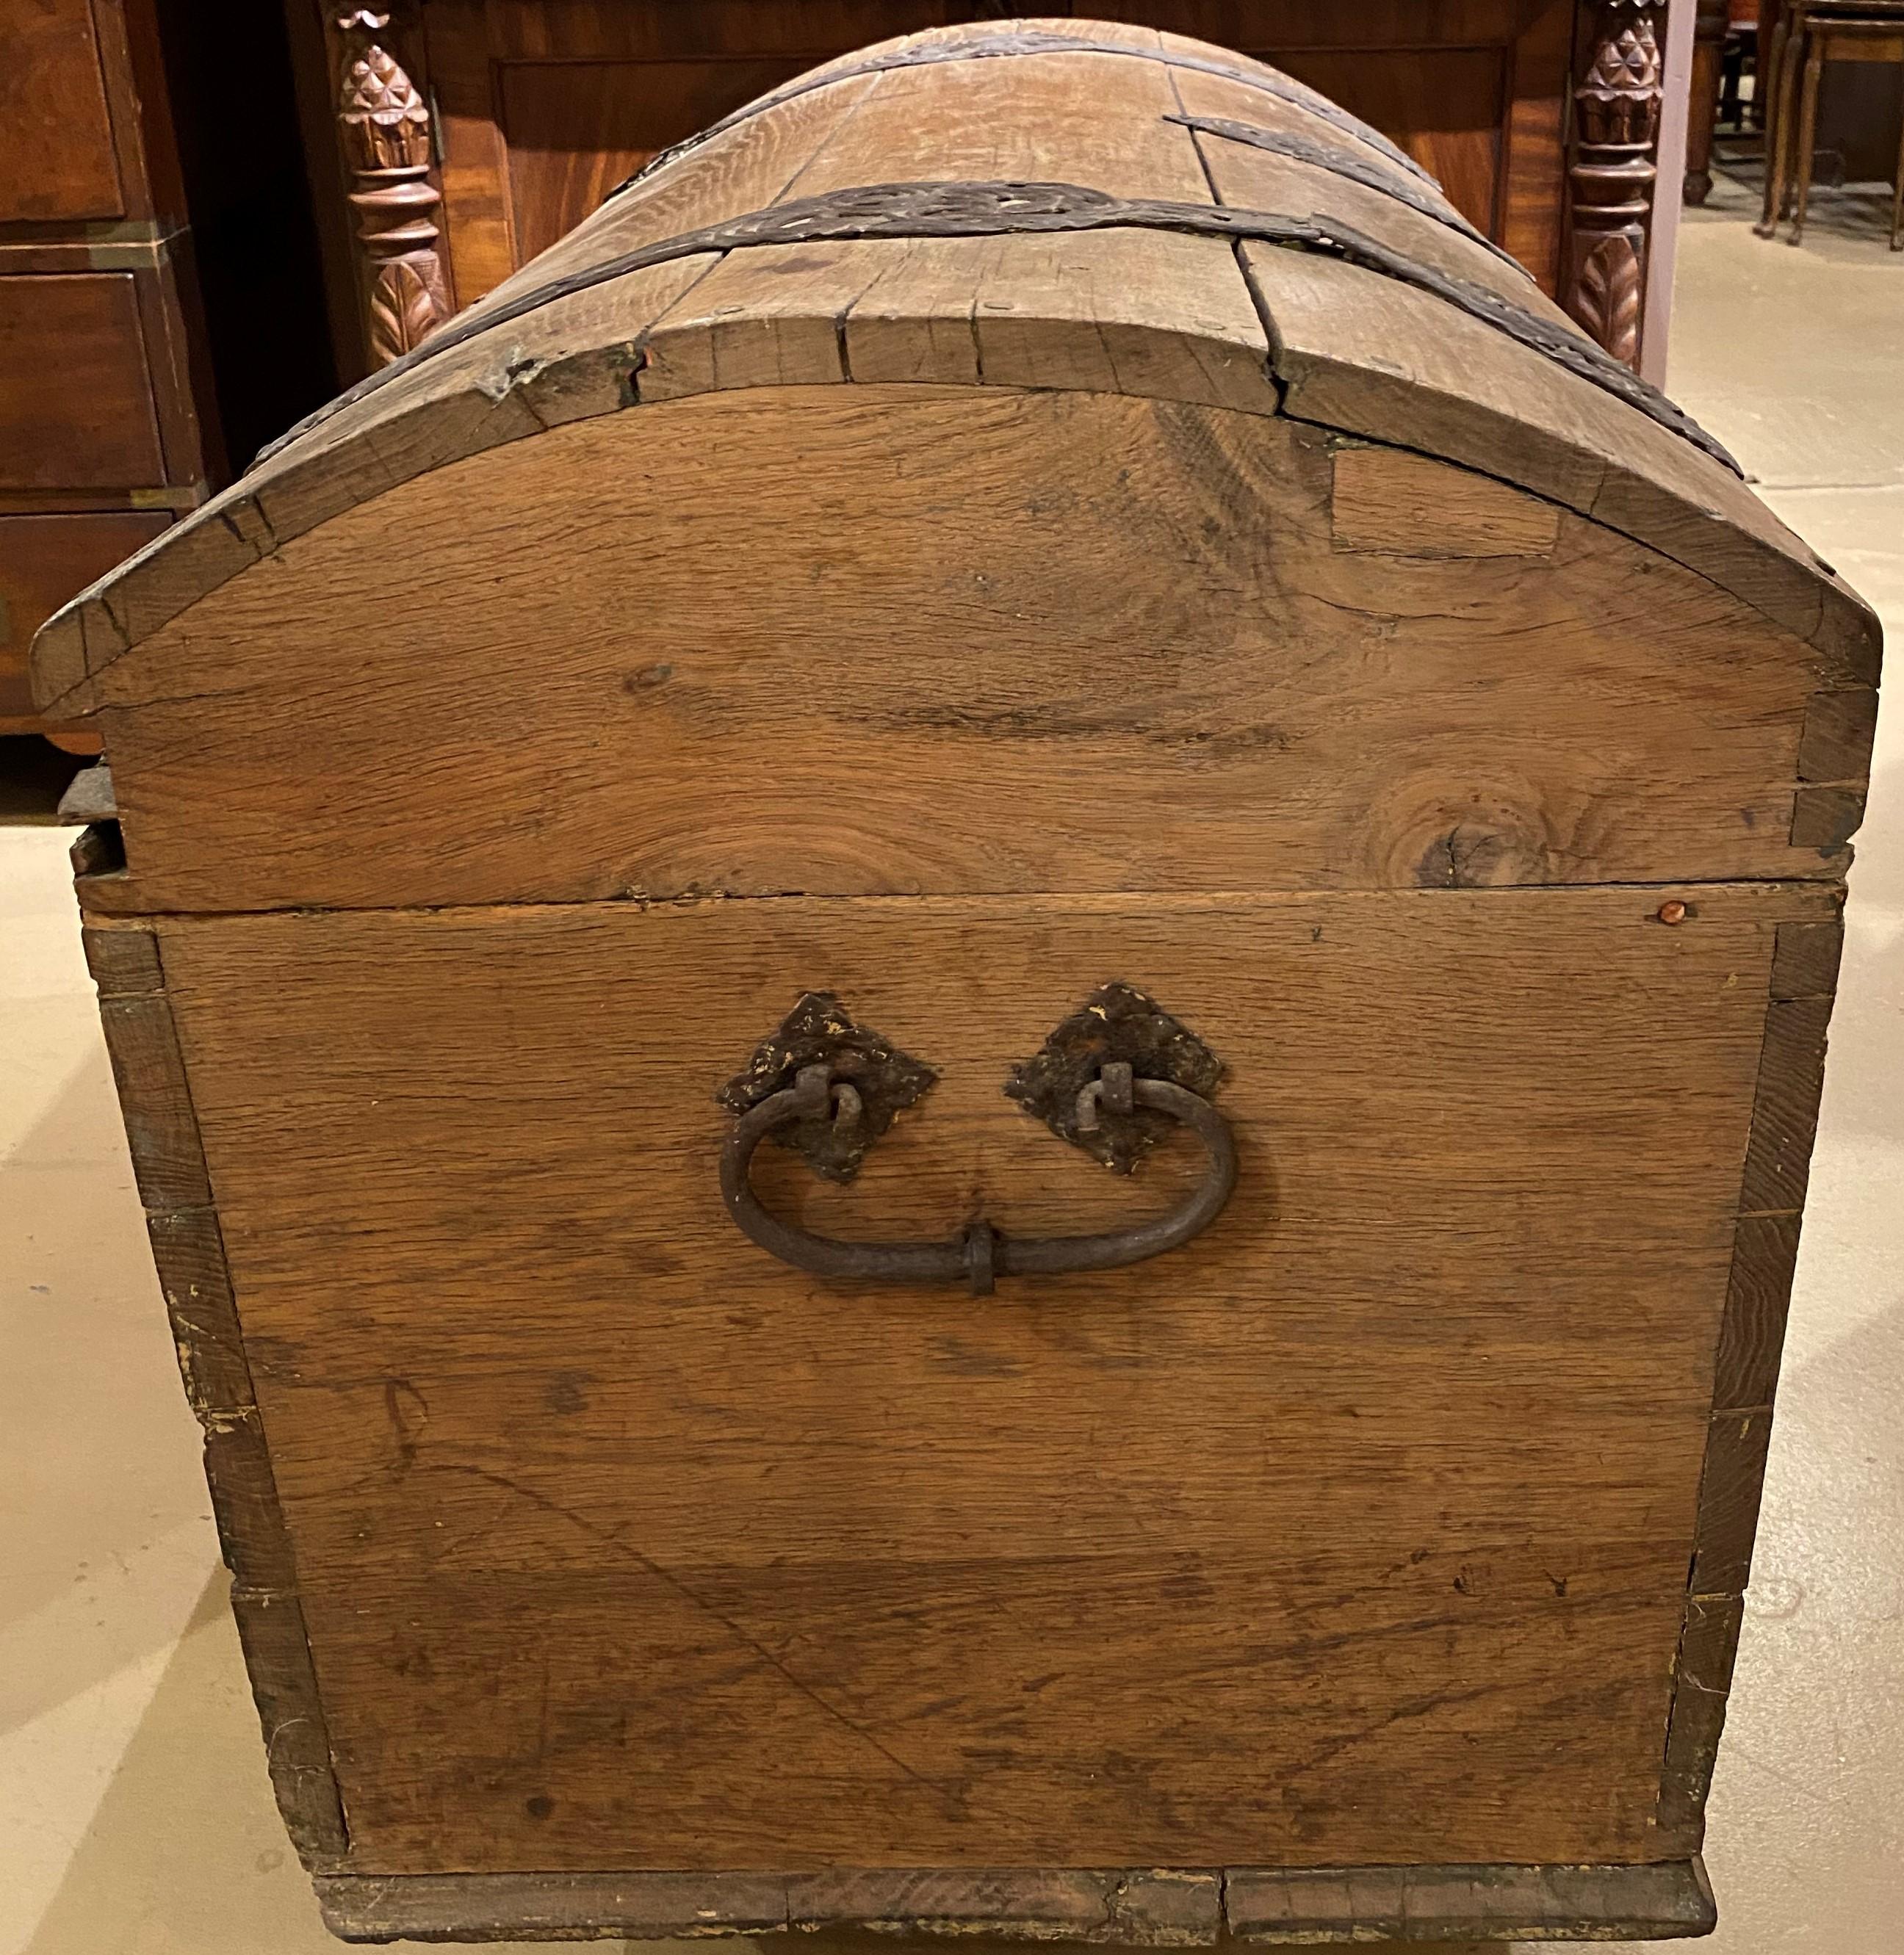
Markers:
<point>1404,504</point>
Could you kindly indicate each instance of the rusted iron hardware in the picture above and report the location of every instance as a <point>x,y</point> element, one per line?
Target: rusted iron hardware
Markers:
<point>1081,1084</point>
<point>1117,1022</point>
<point>881,1079</point>
<point>1002,210</point>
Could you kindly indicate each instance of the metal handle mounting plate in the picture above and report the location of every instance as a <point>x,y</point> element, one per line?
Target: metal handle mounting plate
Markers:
<point>1086,1090</point>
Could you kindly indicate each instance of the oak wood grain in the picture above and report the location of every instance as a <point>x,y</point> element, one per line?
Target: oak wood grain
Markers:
<point>488,1415</point>
<point>1702,1682</point>
<point>1102,119</point>
<point>996,1913</point>
<point>869,716</point>
<point>1400,504</point>
<point>162,1129</point>
<point>1466,757</point>
<point>1437,1904</point>
<point>1453,389</point>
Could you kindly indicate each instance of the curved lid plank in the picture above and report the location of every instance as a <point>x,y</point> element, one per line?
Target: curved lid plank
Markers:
<point>1134,307</point>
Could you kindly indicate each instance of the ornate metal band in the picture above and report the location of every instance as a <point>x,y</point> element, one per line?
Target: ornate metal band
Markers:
<point>1341,163</point>
<point>1031,41</point>
<point>992,210</point>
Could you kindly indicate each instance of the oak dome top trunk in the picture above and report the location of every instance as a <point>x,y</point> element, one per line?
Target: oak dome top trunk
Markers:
<point>1022,510</point>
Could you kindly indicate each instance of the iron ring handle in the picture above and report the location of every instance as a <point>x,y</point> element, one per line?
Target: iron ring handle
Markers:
<point>979,1254</point>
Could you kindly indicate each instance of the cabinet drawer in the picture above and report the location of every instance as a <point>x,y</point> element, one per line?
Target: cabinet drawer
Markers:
<point>56,160</point>
<point>44,560</point>
<point>76,385</point>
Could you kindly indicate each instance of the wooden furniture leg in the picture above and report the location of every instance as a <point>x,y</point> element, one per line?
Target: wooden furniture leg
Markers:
<point>1814,62</point>
<point>1770,82</point>
<point>1702,111</point>
<point>1792,60</point>
<point>1897,196</point>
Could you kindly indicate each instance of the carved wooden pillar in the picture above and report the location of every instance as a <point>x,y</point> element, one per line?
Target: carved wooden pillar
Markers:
<point>1612,171</point>
<point>384,125</point>
<point>1709,30</point>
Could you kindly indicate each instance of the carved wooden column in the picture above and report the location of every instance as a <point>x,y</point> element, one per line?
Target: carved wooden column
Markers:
<point>1612,169</point>
<point>384,125</point>
<point>1709,30</point>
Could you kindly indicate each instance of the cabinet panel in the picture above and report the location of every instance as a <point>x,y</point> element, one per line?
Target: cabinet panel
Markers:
<point>56,160</point>
<point>76,386</point>
<point>1443,105</point>
<point>576,130</point>
<point>44,560</point>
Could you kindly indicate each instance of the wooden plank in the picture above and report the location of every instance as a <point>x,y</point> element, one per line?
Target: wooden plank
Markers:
<point>1262,1905</point>
<point>1806,965</point>
<point>512,1907</point>
<point>89,798</point>
<point>190,1254</point>
<point>156,1102</point>
<point>1825,819</point>
<point>1728,1500</point>
<point>1460,1903</point>
<point>1764,1254</point>
<point>251,1533</point>
<point>1095,119</point>
<point>1117,312</point>
<point>168,1157</point>
<point>1703,1677</point>
<point>1144,1909</point>
<point>460,1468</point>
<point>124,963</point>
<point>1356,719</point>
<point>1124,312</point>
<point>1790,1078</point>
<point>277,1658</point>
<point>1840,728</point>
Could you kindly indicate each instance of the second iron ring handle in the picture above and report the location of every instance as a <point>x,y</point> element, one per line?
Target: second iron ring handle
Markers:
<point>979,1254</point>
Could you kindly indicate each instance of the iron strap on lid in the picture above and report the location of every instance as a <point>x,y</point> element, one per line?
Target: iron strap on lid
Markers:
<point>994,209</point>
<point>1035,41</point>
<point>1343,163</point>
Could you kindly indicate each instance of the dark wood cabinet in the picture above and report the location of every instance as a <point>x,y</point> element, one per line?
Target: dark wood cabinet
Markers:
<point>106,430</point>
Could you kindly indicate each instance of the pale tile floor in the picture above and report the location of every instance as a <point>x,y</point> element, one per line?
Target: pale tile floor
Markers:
<point>135,1817</point>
